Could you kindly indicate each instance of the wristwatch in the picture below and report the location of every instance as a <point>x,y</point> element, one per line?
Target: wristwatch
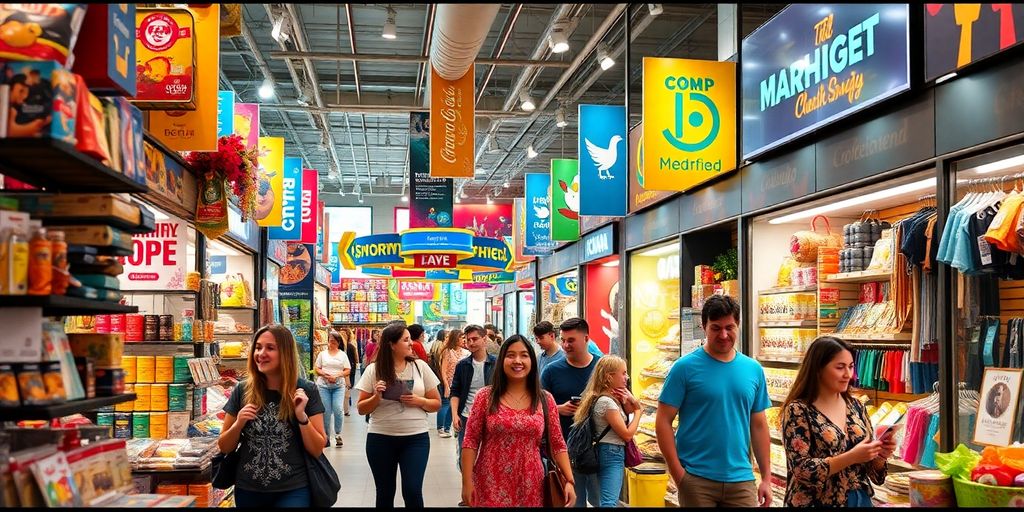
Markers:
<point>303,422</point>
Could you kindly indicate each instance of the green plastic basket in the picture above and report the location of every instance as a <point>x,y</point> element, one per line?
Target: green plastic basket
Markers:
<point>971,494</point>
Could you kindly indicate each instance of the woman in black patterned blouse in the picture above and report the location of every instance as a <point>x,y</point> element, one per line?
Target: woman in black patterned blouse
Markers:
<point>830,451</point>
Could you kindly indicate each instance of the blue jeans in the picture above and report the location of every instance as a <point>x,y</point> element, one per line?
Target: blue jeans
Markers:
<point>444,414</point>
<point>296,498</point>
<point>588,488</point>
<point>333,397</point>
<point>388,454</point>
<point>612,459</point>
<point>858,498</point>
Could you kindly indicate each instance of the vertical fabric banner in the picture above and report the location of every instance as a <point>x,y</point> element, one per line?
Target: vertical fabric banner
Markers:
<point>309,206</point>
<point>270,182</point>
<point>291,211</point>
<point>458,301</point>
<point>430,199</point>
<point>519,230</point>
<point>225,113</point>
<point>689,132</point>
<point>602,160</point>
<point>538,215</point>
<point>565,199</point>
<point>325,228</point>
<point>453,109</point>
<point>321,229</point>
<point>246,123</point>
<point>196,130</point>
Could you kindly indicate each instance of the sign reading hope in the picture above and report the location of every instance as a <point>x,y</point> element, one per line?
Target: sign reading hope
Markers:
<point>157,261</point>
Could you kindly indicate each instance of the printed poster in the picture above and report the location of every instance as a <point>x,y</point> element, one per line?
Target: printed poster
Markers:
<point>519,234</point>
<point>538,215</point>
<point>453,108</point>
<point>565,199</point>
<point>602,160</point>
<point>158,258</point>
<point>291,218</point>
<point>271,182</point>
<point>458,301</point>
<point>485,220</point>
<point>309,206</point>
<point>603,305</point>
<point>247,123</point>
<point>430,199</point>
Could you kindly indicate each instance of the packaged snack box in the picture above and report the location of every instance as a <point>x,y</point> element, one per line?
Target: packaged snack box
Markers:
<point>36,32</point>
<point>42,100</point>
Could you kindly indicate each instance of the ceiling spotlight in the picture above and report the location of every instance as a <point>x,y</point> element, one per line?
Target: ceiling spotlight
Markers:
<point>530,152</point>
<point>560,118</point>
<point>506,184</point>
<point>405,198</point>
<point>604,58</point>
<point>389,25</point>
<point>360,199</point>
<point>266,90</point>
<point>655,9</point>
<point>278,30</point>
<point>526,101</point>
<point>463,193</point>
<point>558,40</point>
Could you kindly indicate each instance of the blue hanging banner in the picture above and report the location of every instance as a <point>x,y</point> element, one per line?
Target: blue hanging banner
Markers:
<point>602,160</point>
<point>291,211</point>
<point>538,215</point>
<point>225,113</point>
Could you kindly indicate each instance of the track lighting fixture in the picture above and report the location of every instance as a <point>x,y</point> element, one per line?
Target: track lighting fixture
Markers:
<point>526,102</point>
<point>389,24</point>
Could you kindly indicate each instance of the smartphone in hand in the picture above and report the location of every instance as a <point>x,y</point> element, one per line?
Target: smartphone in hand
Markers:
<point>575,400</point>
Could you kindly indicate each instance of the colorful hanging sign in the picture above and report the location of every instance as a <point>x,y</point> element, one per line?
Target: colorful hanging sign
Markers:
<point>196,130</point>
<point>494,277</point>
<point>565,199</point>
<point>489,254</point>
<point>639,197</point>
<point>383,250</point>
<point>308,206</point>
<point>453,109</point>
<point>246,123</point>
<point>960,34</point>
<point>489,220</point>
<point>437,241</point>
<point>519,233</point>
<point>270,182</point>
<point>225,113</point>
<point>158,258</point>
<point>458,301</point>
<point>689,109</point>
<point>430,199</point>
<point>538,215</point>
<point>416,291</point>
<point>291,211</point>
<point>602,160</point>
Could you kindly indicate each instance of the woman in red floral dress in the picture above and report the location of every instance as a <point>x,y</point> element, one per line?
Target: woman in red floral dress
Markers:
<point>501,465</point>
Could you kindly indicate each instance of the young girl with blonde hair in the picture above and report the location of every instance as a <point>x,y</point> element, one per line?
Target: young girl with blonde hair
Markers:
<point>607,402</point>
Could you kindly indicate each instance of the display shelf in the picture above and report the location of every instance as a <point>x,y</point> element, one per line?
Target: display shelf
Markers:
<point>47,412</point>
<point>64,305</point>
<point>865,276</point>
<point>203,473</point>
<point>669,348</point>
<point>777,398</point>
<point>237,308</point>
<point>58,167</point>
<point>788,289</point>
<point>114,222</point>
<point>789,323</point>
<point>653,375</point>
<point>872,336</point>
<point>646,432</point>
<point>219,333</point>
<point>903,466</point>
<point>781,359</point>
<point>649,403</point>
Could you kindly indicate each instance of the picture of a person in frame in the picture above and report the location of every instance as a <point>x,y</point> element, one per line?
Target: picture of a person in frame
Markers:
<point>998,400</point>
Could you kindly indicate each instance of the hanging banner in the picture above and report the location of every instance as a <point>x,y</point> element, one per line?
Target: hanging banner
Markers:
<point>489,254</point>
<point>565,199</point>
<point>602,160</point>
<point>196,130</point>
<point>639,197</point>
<point>416,291</point>
<point>370,251</point>
<point>246,123</point>
<point>519,233</point>
<point>270,182</point>
<point>453,108</point>
<point>325,230</point>
<point>603,304</point>
<point>812,65</point>
<point>158,258</point>
<point>689,109</point>
<point>308,206</point>
<point>291,194</point>
<point>487,220</point>
<point>225,113</point>
<point>430,199</point>
<point>458,301</point>
<point>321,254</point>
<point>538,215</point>
<point>494,277</point>
<point>433,311</point>
<point>959,34</point>
<point>296,297</point>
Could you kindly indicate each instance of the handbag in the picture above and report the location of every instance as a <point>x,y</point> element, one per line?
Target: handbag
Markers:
<point>324,484</point>
<point>225,467</point>
<point>554,480</point>
<point>633,456</point>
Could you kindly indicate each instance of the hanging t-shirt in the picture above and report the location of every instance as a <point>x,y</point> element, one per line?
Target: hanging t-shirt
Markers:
<point>601,408</point>
<point>270,451</point>
<point>1002,231</point>
<point>333,365</point>
<point>392,417</point>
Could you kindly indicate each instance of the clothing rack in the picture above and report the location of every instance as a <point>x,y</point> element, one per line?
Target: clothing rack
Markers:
<point>995,180</point>
<point>884,345</point>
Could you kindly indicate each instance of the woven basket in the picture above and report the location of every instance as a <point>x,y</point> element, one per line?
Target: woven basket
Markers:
<point>804,244</point>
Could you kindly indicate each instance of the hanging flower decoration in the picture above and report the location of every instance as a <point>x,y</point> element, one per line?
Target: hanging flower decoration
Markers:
<point>236,165</point>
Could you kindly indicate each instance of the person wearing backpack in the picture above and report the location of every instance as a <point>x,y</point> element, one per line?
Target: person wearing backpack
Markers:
<point>600,426</point>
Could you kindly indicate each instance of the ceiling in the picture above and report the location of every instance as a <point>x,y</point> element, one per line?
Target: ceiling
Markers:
<point>346,119</point>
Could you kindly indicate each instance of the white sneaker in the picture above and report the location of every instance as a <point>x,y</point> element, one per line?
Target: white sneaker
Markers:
<point>445,434</point>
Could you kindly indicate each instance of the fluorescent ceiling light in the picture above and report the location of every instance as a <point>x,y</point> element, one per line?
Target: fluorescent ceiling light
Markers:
<point>857,200</point>
<point>662,251</point>
<point>560,118</point>
<point>1005,163</point>
<point>530,152</point>
<point>655,9</point>
<point>613,263</point>
<point>526,102</point>
<point>266,90</point>
<point>557,40</point>
<point>389,25</point>
<point>604,58</point>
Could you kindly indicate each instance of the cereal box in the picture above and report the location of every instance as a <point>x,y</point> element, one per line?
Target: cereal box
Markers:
<point>42,100</point>
<point>165,59</point>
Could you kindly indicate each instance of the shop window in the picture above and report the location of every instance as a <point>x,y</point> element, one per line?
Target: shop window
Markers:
<point>559,297</point>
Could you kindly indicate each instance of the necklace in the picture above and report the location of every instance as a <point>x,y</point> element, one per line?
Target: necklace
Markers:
<point>518,401</point>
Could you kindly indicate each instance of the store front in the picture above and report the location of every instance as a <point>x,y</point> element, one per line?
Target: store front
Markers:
<point>559,285</point>
<point>600,276</point>
<point>232,263</point>
<point>277,255</point>
<point>526,308</point>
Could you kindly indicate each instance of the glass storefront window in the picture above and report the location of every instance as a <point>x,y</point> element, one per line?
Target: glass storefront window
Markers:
<point>527,314</point>
<point>508,328</point>
<point>559,296</point>
<point>654,290</point>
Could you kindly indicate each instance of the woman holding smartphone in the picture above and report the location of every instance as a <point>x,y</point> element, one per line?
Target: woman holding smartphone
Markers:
<point>399,390</point>
<point>831,456</point>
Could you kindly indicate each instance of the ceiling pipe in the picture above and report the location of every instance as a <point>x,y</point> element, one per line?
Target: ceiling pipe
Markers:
<point>459,33</point>
<point>583,54</point>
<point>510,23</point>
<point>410,59</point>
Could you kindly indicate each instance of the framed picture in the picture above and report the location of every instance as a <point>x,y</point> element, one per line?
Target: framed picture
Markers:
<point>1000,391</point>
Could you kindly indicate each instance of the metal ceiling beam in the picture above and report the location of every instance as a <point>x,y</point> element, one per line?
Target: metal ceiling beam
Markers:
<point>383,109</point>
<point>362,118</point>
<point>506,31</point>
<point>409,59</point>
<point>422,70</point>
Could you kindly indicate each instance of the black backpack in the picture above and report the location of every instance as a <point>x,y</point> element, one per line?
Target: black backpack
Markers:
<point>582,445</point>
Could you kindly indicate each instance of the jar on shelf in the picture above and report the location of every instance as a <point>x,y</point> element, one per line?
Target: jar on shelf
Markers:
<point>186,324</point>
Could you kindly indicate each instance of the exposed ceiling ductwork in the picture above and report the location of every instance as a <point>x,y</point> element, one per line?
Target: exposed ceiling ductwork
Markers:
<point>459,32</point>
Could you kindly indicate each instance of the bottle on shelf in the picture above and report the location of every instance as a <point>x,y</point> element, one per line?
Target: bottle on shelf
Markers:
<point>59,255</point>
<point>40,262</point>
<point>186,324</point>
<point>14,261</point>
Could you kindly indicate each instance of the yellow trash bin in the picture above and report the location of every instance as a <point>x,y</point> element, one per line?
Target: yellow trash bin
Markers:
<point>647,486</point>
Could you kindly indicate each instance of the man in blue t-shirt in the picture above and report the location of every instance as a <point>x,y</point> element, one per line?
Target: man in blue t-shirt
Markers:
<point>567,378</point>
<point>720,396</point>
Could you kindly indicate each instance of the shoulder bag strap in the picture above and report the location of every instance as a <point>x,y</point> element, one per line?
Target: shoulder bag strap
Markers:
<point>547,438</point>
<point>591,419</point>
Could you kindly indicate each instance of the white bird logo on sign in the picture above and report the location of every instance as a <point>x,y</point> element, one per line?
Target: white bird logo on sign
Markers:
<point>542,212</point>
<point>604,158</point>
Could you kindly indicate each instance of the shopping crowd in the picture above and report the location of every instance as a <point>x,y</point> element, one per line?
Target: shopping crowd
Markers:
<point>554,428</point>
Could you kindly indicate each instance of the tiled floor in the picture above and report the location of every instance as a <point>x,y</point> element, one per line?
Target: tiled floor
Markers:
<point>442,485</point>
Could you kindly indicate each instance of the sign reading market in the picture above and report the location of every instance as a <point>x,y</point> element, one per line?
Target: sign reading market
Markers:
<point>813,64</point>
